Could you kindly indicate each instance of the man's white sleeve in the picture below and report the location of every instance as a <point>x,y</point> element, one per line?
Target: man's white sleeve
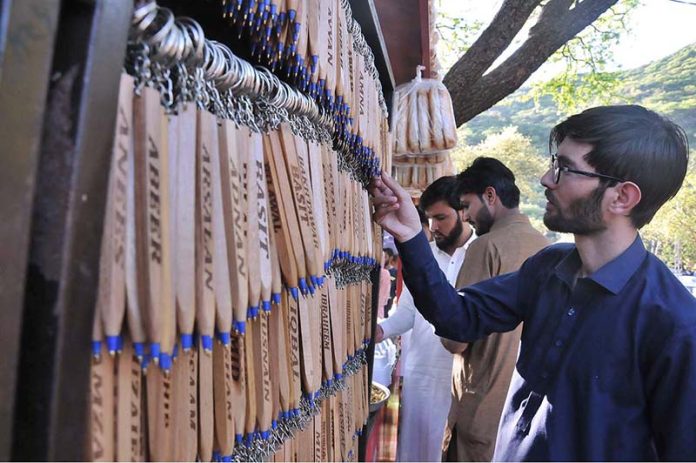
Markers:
<point>402,319</point>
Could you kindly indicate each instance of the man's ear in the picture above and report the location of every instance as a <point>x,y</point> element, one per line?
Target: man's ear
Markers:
<point>463,214</point>
<point>489,195</point>
<point>626,196</point>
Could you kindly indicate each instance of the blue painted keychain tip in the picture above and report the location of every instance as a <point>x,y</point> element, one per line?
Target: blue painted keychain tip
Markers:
<point>266,306</point>
<point>265,435</point>
<point>223,337</point>
<point>139,349</point>
<point>275,297</point>
<point>240,327</point>
<point>216,455</point>
<point>112,344</point>
<point>96,348</point>
<point>294,293</point>
<point>238,438</point>
<point>291,15</point>
<point>303,285</point>
<point>165,361</point>
<point>226,458</point>
<point>186,341</point>
<point>207,342</point>
<point>155,351</point>
<point>253,311</point>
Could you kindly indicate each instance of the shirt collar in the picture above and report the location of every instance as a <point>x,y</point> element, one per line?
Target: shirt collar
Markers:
<point>509,219</point>
<point>613,275</point>
<point>459,250</point>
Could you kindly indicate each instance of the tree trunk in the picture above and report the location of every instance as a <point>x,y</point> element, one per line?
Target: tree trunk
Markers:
<point>560,20</point>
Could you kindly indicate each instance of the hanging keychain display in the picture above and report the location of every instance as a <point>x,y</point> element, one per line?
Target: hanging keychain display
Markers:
<point>233,305</point>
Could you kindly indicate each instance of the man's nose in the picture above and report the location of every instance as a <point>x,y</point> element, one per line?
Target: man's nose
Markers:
<point>547,179</point>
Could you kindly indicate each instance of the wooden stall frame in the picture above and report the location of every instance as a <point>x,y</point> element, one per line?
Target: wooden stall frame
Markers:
<point>50,408</point>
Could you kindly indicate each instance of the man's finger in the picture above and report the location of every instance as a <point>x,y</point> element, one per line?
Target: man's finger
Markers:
<point>392,184</point>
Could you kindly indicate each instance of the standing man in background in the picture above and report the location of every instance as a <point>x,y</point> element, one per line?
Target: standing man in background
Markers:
<point>428,366</point>
<point>482,369</point>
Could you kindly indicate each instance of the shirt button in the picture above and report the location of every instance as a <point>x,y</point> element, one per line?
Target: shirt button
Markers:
<point>571,312</point>
<point>558,343</point>
<point>545,374</point>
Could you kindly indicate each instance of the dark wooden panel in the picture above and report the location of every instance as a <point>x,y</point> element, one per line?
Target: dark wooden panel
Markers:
<point>51,407</point>
<point>401,27</point>
<point>27,32</point>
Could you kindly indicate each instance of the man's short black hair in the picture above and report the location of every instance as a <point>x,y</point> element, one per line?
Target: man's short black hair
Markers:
<point>421,215</point>
<point>487,172</point>
<point>440,190</point>
<point>634,144</point>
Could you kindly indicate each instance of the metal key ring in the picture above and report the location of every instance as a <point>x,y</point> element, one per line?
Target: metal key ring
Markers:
<point>166,18</point>
<point>143,16</point>
<point>195,34</point>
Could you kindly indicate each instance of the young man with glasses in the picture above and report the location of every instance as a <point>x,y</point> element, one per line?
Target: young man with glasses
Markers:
<point>607,362</point>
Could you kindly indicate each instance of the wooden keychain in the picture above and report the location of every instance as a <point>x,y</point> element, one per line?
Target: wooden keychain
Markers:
<point>251,383</point>
<point>246,143</point>
<point>262,217</point>
<point>101,418</point>
<point>327,50</point>
<point>313,221</point>
<point>136,295</point>
<point>129,432</point>
<point>330,170</point>
<point>288,235</point>
<point>233,205</point>
<point>205,293</point>
<point>222,368</point>
<point>185,376</point>
<point>148,116</point>
<point>276,346</point>
<point>296,168</point>
<point>114,310</point>
<point>319,203</point>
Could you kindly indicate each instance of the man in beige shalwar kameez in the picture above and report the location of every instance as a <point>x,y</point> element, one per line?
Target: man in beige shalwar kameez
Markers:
<point>482,369</point>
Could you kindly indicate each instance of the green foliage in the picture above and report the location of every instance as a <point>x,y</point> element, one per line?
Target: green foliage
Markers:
<point>672,232</point>
<point>585,58</point>
<point>456,35</point>
<point>667,86</point>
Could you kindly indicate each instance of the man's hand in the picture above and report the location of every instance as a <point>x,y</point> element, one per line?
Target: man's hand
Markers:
<point>394,210</point>
<point>379,335</point>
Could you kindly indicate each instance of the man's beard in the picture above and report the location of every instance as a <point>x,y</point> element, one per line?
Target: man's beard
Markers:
<point>483,221</point>
<point>450,239</point>
<point>584,214</point>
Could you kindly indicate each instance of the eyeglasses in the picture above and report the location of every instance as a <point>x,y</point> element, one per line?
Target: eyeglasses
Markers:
<point>557,169</point>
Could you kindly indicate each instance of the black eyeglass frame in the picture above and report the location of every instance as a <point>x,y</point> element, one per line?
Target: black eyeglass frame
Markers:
<point>557,169</point>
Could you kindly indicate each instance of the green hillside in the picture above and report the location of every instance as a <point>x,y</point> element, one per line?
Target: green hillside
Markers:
<point>667,86</point>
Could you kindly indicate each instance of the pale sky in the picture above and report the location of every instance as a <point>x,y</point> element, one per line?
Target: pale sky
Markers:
<point>658,28</point>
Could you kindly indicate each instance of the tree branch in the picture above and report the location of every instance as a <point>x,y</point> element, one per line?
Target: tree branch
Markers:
<point>559,21</point>
<point>491,43</point>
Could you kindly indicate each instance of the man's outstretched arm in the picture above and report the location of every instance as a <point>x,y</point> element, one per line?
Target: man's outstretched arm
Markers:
<point>488,307</point>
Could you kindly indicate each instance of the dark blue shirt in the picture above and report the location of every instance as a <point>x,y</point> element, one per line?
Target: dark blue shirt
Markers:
<point>606,369</point>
